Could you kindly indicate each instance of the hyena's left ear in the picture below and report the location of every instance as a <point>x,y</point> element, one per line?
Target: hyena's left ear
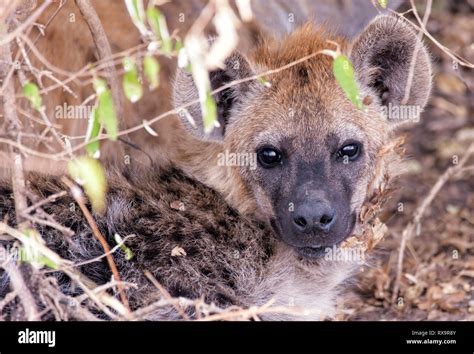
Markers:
<point>236,67</point>
<point>382,55</point>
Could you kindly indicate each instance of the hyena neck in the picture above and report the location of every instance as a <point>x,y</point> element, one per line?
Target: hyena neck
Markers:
<point>199,159</point>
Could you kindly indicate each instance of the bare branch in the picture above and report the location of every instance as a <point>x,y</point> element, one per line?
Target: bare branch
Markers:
<point>18,285</point>
<point>166,294</point>
<point>411,73</point>
<point>78,196</point>
<point>104,51</point>
<point>8,37</point>
<point>50,199</point>
<point>13,127</point>
<point>457,58</point>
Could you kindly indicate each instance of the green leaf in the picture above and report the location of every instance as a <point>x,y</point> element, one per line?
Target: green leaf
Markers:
<point>107,115</point>
<point>209,113</point>
<point>128,252</point>
<point>151,68</point>
<point>89,173</point>
<point>31,253</point>
<point>93,130</point>
<point>136,12</point>
<point>264,82</point>
<point>131,85</point>
<point>154,18</point>
<point>383,3</point>
<point>344,73</point>
<point>31,92</point>
<point>28,255</point>
<point>158,25</point>
<point>178,46</point>
<point>105,108</point>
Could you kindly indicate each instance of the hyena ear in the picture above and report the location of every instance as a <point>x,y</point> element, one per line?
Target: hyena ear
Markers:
<point>227,101</point>
<point>382,57</point>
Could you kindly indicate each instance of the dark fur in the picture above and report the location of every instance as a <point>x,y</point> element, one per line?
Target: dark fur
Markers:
<point>216,239</point>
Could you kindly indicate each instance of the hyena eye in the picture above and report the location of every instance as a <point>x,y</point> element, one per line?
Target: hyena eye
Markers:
<point>269,157</point>
<point>350,151</point>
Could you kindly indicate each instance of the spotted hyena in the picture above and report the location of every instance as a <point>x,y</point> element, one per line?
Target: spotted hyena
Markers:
<point>255,231</point>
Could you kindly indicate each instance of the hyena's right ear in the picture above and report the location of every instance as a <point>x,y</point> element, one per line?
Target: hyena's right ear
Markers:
<point>382,56</point>
<point>227,101</point>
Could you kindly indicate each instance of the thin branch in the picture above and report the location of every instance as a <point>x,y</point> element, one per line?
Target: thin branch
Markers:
<point>78,196</point>
<point>13,128</point>
<point>112,251</point>
<point>102,299</point>
<point>18,285</point>
<point>62,155</point>
<point>65,230</point>
<point>104,51</point>
<point>7,38</point>
<point>456,57</point>
<point>253,312</point>
<point>7,299</point>
<point>7,8</point>
<point>52,198</point>
<point>411,73</point>
<point>23,82</point>
<point>166,294</point>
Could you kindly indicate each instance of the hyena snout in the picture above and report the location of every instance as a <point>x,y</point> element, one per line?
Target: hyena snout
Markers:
<point>314,216</point>
<point>317,218</point>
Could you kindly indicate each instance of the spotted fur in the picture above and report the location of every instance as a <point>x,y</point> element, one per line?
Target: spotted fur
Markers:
<point>230,259</point>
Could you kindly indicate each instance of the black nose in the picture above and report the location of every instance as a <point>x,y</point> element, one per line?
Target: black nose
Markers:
<point>314,216</point>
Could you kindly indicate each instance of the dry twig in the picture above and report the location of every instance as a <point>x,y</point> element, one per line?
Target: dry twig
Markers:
<point>18,285</point>
<point>166,294</point>
<point>104,51</point>
<point>13,128</point>
<point>411,73</point>
<point>78,196</point>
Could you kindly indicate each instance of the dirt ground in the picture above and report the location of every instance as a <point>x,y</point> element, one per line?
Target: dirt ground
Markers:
<point>438,269</point>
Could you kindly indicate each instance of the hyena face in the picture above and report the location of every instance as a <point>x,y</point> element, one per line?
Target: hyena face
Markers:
<point>313,153</point>
<point>316,151</point>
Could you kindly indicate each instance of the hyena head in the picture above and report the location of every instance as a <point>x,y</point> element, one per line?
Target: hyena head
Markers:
<point>316,152</point>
